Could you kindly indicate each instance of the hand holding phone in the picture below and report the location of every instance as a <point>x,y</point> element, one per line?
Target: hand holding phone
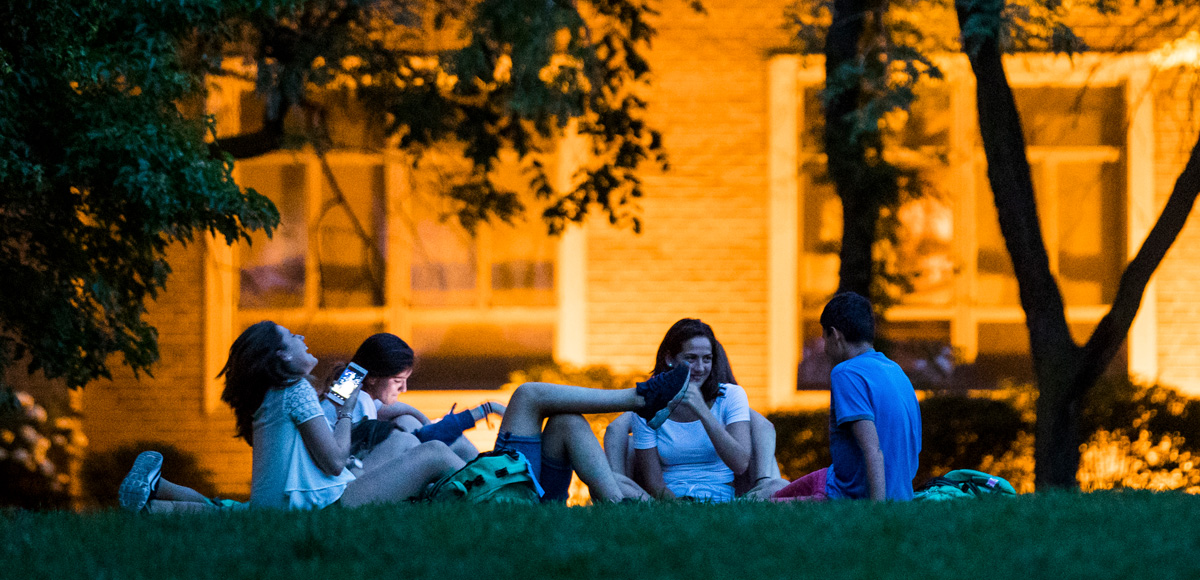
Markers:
<point>347,384</point>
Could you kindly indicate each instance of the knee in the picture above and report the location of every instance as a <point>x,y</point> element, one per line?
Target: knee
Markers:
<point>567,423</point>
<point>529,394</point>
<point>433,450</point>
<point>407,423</point>
<point>761,427</point>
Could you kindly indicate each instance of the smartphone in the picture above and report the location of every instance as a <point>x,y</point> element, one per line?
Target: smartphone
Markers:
<point>351,378</point>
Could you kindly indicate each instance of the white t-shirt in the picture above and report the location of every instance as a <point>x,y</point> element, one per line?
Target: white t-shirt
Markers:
<point>690,464</point>
<point>364,408</point>
<point>284,474</point>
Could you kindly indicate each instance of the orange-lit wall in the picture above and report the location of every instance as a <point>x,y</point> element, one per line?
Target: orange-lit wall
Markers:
<point>703,252</point>
<point>170,406</point>
<point>1178,278</point>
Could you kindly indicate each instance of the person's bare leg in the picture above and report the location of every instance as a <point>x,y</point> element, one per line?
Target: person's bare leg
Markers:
<point>617,443</point>
<point>158,506</point>
<point>762,456</point>
<point>631,489</point>
<point>404,476</point>
<point>464,449</point>
<point>461,447</point>
<point>167,491</point>
<point>408,423</point>
<point>533,402</point>
<point>397,443</point>
<point>569,439</point>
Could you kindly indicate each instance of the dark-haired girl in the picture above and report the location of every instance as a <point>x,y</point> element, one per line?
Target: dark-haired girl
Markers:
<point>705,442</point>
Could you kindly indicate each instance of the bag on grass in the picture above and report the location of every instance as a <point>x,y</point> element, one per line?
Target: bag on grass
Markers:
<point>962,483</point>
<point>501,476</point>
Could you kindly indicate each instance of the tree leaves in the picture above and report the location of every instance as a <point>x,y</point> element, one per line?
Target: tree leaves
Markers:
<point>100,173</point>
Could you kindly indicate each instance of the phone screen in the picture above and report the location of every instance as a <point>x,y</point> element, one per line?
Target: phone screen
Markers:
<point>351,378</point>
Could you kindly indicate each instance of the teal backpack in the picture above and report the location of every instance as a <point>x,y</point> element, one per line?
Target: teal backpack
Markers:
<point>962,483</point>
<point>501,476</point>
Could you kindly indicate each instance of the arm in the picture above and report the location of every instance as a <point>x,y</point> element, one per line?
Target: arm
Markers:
<point>650,468</point>
<point>617,442</point>
<point>329,449</point>
<point>390,412</point>
<point>732,441</point>
<point>868,441</point>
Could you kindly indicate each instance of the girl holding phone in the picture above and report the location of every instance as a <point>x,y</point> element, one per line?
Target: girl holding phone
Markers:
<point>299,461</point>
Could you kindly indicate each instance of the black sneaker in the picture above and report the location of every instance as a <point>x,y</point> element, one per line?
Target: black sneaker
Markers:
<point>663,393</point>
<point>139,485</point>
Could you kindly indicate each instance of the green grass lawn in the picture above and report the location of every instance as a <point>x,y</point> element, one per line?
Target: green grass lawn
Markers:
<point>1050,535</point>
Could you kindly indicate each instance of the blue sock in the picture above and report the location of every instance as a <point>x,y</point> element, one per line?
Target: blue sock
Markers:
<point>447,430</point>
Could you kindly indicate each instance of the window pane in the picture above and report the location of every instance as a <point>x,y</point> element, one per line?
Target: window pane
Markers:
<point>926,250</point>
<point>350,240</point>
<point>444,260</point>
<point>272,270</point>
<point>996,283</point>
<point>1091,224</point>
<point>1062,116</point>
<point>822,238</point>
<point>814,120</point>
<point>523,257</point>
<point>928,124</point>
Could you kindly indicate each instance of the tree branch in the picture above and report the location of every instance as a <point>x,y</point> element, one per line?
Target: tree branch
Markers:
<point>1113,328</point>
<point>1012,186</point>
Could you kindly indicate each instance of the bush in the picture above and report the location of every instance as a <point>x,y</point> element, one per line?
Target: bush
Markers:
<point>958,432</point>
<point>38,444</point>
<point>963,432</point>
<point>103,472</point>
<point>1140,437</point>
<point>801,441</point>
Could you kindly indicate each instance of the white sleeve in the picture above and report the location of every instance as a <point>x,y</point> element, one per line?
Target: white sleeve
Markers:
<point>365,408</point>
<point>737,406</point>
<point>300,402</point>
<point>643,436</point>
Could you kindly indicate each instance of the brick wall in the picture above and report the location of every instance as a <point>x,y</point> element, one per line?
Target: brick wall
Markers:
<point>1178,277</point>
<point>703,252</point>
<point>169,406</point>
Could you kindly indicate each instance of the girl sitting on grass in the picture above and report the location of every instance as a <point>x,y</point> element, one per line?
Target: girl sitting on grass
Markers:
<point>704,450</point>
<point>378,413</point>
<point>763,465</point>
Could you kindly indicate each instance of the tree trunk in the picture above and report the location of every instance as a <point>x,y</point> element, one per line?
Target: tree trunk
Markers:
<point>1056,447</point>
<point>846,156</point>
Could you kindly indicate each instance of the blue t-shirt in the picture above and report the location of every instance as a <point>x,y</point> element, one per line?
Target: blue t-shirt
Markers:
<point>871,387</point>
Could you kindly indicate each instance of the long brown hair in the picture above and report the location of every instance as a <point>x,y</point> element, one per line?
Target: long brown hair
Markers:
<point>254,367</point>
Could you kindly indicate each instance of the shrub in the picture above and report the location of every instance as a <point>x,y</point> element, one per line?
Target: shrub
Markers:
<point>958,432</point>
<point>103,472</point>
<point>1141,437</point>
<point>38,445</point>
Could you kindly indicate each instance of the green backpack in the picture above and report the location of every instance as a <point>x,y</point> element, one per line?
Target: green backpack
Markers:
<point>501,476</point>
<point>962,483</point>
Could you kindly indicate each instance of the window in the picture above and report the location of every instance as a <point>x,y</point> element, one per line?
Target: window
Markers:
<point>380,251</point>
<point>965,293</point>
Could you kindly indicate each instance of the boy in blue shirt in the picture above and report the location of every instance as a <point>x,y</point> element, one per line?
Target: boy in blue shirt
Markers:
<point>874,418</point>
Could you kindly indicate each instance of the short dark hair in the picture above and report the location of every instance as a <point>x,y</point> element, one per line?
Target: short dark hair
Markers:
<point>852,315</point>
